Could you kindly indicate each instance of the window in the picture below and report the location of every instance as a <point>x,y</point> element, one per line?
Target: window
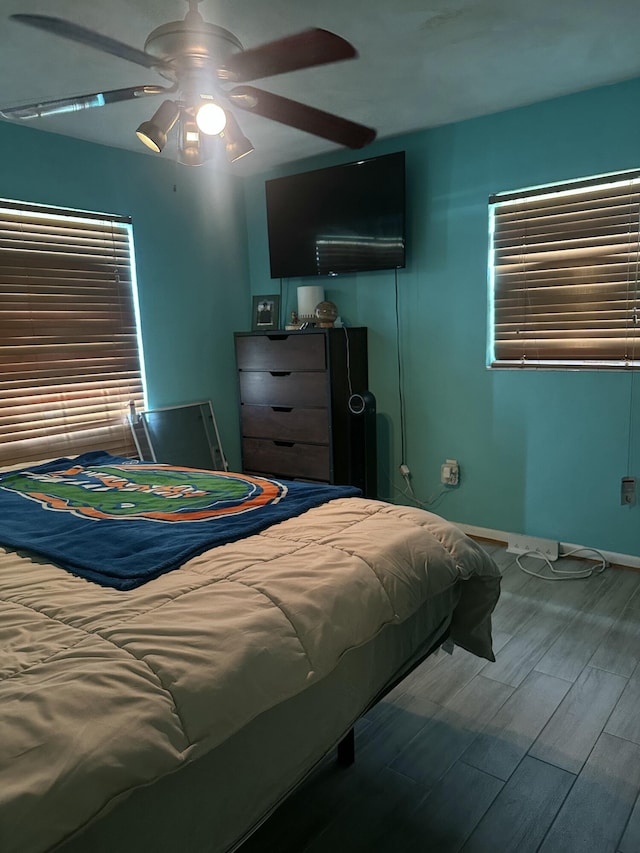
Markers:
<point>69,355</point>
<point>564,275</point>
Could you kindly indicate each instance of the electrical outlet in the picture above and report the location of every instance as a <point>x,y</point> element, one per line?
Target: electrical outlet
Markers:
<point>520,544</point>
<point>628,491</point>
<point>450,473</point>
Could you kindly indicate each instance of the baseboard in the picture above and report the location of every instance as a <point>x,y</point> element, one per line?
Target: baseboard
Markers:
<point>626,560</point>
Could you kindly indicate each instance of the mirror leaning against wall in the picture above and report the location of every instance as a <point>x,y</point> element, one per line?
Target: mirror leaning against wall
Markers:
<point>185,435</point>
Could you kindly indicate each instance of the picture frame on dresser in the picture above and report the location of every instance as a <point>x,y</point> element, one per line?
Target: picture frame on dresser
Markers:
<point>265,315</point>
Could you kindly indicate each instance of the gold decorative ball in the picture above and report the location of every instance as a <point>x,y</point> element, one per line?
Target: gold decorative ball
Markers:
<point>326,314</point>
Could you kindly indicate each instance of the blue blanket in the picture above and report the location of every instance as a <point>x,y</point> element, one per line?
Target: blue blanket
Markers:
<point>121,522</point>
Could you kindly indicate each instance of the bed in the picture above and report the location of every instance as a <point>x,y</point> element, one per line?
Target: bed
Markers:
<point>179,709</point>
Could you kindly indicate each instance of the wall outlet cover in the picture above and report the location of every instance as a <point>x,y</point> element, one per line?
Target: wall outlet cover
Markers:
<point>450,472</point>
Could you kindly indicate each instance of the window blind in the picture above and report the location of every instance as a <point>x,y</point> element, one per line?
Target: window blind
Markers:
<point>69,360</point>
<point>564,275</point>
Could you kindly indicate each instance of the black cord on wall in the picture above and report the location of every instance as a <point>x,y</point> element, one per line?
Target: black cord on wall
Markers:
<point>399,364</point>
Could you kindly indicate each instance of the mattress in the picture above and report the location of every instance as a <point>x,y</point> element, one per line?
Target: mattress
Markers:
<point>108,695</point>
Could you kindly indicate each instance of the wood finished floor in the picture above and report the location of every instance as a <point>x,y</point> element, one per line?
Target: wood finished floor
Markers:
<point>539,751</point>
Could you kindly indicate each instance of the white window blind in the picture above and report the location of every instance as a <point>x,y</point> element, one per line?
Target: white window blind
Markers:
<point>564,275</point>
<point>69,360</point>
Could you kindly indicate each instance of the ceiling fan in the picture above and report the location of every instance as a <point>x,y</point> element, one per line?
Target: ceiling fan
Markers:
<point>204,63</point>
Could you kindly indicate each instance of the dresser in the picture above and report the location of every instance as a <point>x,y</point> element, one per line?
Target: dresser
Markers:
<point>294,390</point>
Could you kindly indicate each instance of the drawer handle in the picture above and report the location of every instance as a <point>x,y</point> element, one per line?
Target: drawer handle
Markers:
<point>280,372</point>
<point>281,408</point>
<point>284,443</point>
<point>277,337</point>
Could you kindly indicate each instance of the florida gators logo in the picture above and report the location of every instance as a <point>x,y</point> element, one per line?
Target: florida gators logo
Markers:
<point>145,491</point>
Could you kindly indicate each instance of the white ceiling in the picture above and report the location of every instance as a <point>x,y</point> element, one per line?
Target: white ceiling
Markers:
<point>420,64</point>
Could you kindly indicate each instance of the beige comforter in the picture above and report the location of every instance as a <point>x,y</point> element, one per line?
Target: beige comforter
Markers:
<point>103,690</point>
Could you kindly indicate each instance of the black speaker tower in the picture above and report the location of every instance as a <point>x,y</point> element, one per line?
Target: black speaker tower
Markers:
<point>362,443</point>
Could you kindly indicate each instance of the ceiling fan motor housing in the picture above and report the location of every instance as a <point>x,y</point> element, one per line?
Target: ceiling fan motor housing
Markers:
<point>186,45</point>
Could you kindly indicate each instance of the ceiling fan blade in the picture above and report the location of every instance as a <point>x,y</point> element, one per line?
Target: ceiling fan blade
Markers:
<point>303,50</point>
<point>302,116</point>
<point>25,112</point>
<point>75,32</point>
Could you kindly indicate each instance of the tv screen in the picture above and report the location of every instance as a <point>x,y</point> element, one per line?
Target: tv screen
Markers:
<point>342,219</point>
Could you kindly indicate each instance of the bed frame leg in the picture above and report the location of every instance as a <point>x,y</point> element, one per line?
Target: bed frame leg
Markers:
<point>347,749</point>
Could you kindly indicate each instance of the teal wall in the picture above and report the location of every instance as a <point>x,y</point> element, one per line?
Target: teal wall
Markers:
<point>190,239</point>
<point>541,452</point>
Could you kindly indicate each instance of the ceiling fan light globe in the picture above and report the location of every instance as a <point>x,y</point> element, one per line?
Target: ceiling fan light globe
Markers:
<point>211,119</point>
<point>150,136</point>
<point>190,142</point>
<point>236,144</point>
<point>191,157</point>
<point>153,133</point>
<point>236,151</point>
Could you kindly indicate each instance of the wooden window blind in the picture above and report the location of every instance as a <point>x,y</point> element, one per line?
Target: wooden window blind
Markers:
<point>69,360</point>
<point>564,275</point>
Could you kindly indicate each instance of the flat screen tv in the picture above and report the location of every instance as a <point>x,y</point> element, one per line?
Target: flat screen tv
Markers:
<point>342,219</point>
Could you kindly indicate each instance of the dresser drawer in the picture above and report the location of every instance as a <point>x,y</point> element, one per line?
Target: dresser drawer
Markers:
<point>288,460</point>
<point>281,352</point>
<point>263,388</point>
<point>286,424</point>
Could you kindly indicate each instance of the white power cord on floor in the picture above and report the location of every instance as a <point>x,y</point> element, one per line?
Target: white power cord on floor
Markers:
<point>563,574</point>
